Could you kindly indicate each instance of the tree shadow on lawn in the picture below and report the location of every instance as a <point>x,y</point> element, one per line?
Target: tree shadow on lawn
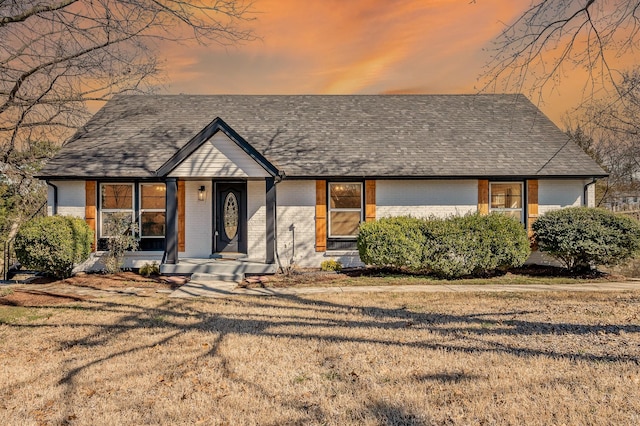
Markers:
<point>530,271</point>
<point>461,333</point>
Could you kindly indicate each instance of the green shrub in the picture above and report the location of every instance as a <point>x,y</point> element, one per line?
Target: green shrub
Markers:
<point>394,242</point>
<point>474,244</point>
<point>53,244</point>
<point>331,265</point>
<point>450,248</point>
<point>582,238</point>
<point>149,269</point>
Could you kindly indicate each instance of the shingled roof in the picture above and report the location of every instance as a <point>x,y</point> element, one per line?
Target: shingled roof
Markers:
<point>419,136</point>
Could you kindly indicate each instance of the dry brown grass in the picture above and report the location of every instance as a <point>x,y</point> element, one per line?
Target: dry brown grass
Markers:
<point>437,358</point>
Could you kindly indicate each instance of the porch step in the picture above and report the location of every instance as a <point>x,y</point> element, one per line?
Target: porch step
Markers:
<point>224,269</point>
<point>202,277</point>
<point>229,256</point>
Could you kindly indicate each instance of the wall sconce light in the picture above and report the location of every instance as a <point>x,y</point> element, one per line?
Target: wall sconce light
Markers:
<point>202,195</point>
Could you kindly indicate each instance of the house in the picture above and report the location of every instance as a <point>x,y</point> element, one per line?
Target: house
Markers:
<point>282,179</point>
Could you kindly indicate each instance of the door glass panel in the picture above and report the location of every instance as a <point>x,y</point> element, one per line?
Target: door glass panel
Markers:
<point>230,215</point>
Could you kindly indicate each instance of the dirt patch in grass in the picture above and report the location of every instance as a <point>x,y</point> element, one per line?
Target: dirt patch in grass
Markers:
<point>37,298</point>
<point>46,291</point>
<point>347,359</point>
<point>102,281</point>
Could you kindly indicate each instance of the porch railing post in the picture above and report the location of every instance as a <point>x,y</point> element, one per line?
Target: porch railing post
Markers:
<point>171,219</point>
<point>271,219</point>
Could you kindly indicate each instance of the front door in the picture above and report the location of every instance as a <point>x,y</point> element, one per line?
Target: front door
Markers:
<point>230,234</point>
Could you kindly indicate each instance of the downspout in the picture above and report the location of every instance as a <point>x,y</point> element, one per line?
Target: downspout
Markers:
<point>54,208</point>
<point>585,190</point>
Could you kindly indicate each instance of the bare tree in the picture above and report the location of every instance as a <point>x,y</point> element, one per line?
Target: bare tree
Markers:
<point>55,55</point>
<point>534,52</point>
<point>614,128</point>
<point>596,41</point>
<point>58,55</point>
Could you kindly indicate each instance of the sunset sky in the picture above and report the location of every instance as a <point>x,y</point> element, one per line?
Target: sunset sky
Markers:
<point>356,47</point>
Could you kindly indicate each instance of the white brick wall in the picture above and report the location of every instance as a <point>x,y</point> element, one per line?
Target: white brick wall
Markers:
<point>555,194</point>
<point>198,220</point>
<point>135,259</point>
<point>591,195</point>
<point>296,212</point>
<point>296,201</point>
<point>256,220</point>
<point>423,198</point>
<point>71,198</point>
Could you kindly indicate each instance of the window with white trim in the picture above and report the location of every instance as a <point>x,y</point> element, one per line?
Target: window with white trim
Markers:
<point>507,198</point>
<point>152,210</point>
<point>345,209</point>
<point>115,199</point>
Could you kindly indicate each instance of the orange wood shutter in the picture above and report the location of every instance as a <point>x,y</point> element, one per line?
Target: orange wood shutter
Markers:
<point>321,215</point>
<point>532,203</point>
<point>90,213</point>
<point>483,196</point>
<point>370,200</point>
<point>181,214</point>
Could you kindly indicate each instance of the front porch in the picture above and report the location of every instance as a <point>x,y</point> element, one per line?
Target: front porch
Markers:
<point>219,268</point>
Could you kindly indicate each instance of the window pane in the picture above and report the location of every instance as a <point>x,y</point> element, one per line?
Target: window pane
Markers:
<point>344,224</point>
<point>117,196</point>
<point>152,224</point>
<point>153,196</point>
<point>506,196</point>
<point>516,214</point>
<point>114,221</point>
<point>346,195</point>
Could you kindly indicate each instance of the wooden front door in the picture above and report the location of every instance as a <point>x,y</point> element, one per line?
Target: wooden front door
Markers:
<point>230,234</point>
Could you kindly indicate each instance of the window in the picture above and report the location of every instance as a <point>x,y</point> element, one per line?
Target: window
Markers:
<point>152,210</point>
<point>345,209</point>
<point>506,197</point>
<point>116,199</point>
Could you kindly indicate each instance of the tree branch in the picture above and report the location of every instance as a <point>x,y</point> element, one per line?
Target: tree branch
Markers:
<point>4,20</point>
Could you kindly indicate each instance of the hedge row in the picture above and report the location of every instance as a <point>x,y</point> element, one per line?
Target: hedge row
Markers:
<point>452,247</point>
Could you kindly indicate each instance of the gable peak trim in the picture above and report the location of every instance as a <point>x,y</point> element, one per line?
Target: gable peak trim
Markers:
<point>217,125</point>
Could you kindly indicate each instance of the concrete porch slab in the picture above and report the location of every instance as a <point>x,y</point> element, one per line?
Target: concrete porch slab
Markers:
<point>222,267</point>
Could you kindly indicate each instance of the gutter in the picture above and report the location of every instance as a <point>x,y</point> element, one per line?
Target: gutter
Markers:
<point>54,208</point>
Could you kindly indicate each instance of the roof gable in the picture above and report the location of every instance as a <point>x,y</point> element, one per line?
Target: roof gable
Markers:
<point>208,155</point>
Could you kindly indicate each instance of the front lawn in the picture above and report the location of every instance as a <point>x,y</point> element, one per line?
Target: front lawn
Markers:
<point>421,358</point>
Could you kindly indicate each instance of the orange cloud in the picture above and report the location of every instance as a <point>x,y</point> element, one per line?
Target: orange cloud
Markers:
<point>342,47</point>
<point>356,46</point>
